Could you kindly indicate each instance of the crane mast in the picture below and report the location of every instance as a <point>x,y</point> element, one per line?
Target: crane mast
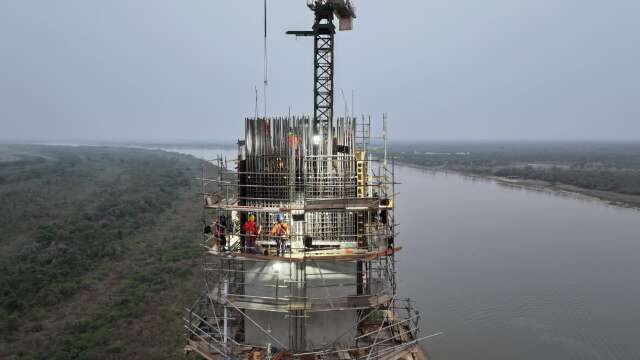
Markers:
<point>323,32</point>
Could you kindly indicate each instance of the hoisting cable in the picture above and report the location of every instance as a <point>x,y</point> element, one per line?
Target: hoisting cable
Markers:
<point>266,81</point>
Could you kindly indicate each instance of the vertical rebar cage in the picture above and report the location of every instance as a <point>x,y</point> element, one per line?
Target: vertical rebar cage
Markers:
<point>331,294</point>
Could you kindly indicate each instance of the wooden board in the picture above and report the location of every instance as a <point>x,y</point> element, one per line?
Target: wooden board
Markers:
<point>326,255</point>
<point>284,305</point>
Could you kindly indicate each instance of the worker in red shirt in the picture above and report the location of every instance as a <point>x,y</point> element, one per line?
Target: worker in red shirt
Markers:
<point>251,232</point>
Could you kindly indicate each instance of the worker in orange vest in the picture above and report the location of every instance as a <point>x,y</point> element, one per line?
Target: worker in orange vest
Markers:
<point>280,231</point>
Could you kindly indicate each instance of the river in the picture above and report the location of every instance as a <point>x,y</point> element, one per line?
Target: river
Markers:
<point>513,273</point>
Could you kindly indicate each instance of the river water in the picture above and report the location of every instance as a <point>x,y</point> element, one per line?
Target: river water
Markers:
<point>512,273</point>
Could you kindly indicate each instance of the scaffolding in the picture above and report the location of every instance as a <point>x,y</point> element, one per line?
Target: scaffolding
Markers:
<point>324,290</point>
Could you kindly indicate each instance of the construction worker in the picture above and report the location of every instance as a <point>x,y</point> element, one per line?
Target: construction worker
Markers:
<point>215,234</point>
<point>220,233</point>
<point>251,232</point>
<point>280,231</point>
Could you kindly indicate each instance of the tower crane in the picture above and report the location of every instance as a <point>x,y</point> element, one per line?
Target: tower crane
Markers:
<point>323,32</point>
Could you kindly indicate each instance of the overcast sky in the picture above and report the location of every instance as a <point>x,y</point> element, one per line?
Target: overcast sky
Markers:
<point>442,69</point>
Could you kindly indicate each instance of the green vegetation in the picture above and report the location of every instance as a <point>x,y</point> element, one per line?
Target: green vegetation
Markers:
<point>610,171</point>
<point>98,251</point>
<point>620,181</point>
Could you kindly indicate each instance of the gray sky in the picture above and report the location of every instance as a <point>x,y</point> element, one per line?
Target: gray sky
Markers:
<point>443,69</point>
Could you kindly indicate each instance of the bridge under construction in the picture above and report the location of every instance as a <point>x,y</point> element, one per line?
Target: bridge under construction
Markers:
<point>324,285</point>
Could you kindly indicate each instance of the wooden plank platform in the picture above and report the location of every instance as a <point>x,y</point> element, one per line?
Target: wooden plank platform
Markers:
<point>324,255</point>
<point>284,305</point>
<point>346,204</point>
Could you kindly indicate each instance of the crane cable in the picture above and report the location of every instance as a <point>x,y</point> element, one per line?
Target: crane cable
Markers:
<point>266,81</point>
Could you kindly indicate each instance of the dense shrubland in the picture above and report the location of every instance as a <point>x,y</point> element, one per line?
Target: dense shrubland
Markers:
<point>92,239</point>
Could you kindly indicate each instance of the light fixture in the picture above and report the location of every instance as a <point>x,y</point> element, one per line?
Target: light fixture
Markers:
<point>317,139</point>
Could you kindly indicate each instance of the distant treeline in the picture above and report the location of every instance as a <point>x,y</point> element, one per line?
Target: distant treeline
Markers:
<point>623,182</point>
<point>613,155</point>
<point>606,166</point>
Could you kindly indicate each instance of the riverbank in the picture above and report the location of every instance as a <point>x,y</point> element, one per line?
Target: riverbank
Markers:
<point>607,197</point>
